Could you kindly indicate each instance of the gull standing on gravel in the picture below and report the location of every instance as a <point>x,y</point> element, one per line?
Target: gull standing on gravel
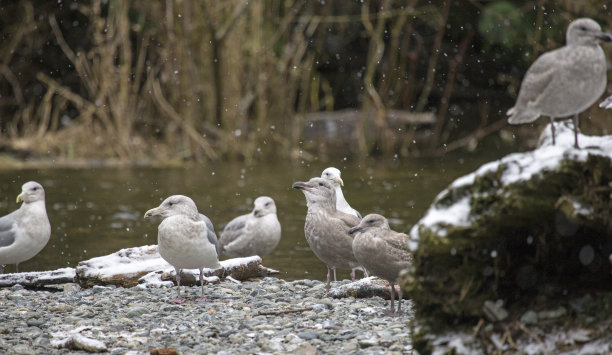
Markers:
<point>184,239</point>
<point>255,233</point>
<point>566,81</point>
<point>326,228</point>
<point>382,251</point>
<point>333,175</point>
<point>25,231</point>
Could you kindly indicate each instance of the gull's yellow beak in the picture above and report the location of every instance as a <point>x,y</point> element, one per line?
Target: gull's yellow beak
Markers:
<point>19,198</point>
<point>150,212</point>
<point>339,181</point>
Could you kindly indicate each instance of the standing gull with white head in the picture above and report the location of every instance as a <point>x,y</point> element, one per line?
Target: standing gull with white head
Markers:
<point>184,239</point>
<point>25,231</point>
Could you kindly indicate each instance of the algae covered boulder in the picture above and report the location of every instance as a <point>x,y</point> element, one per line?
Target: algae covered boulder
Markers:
<point>533,224</point>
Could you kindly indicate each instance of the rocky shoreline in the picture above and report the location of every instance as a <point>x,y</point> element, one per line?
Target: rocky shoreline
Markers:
<point>269,315</point>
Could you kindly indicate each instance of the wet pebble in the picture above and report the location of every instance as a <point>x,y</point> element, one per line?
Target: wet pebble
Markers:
<point>297,319</point>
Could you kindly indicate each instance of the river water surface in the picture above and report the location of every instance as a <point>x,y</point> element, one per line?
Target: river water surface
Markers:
<point>97,211</point>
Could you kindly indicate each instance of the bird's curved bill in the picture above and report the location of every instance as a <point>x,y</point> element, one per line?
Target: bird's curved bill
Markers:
<point>300,185</point>
<point>354,229</point>
<point>605,37</point>
<point>19,198</point>
<point>151,212</point>
<point>338,179</point>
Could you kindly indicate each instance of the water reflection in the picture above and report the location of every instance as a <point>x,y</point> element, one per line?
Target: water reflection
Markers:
<point>97,211</point>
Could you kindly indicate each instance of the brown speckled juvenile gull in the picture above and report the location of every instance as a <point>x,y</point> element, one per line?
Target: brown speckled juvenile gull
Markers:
<point>184,239</point>
<point>382,251</point>
<point>26,231</point>
<point>566,81</point>
<point>326,228</point>
<point>255,233</point>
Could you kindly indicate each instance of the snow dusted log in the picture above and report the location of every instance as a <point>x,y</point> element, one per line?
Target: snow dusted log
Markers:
<point>38,278</point>
<point>516,224</point>
<point>364,288</point>
<point>127,266</point>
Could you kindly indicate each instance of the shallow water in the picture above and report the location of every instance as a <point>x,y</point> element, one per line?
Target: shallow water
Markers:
<point>97,211</point>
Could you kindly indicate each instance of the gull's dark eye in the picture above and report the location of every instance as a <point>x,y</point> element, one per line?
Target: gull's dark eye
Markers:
<point>321,184</point>
<point>582,28</point>
<point>35,188</point>
<point>268,204</point>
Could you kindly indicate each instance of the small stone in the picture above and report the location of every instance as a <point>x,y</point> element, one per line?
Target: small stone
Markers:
<point>35,322</point>
<point>305,349</point>
<point>136,312</point>
<point>530,317</point>
<point>368,342</point>
<point>308,335</point>
<point>22,350</point>
<point>552,314</point>
<point>494,311</point>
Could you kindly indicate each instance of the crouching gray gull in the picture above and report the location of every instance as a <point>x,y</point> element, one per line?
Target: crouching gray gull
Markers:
<point>566,81</point>
<point>25,231</point>
<point>326,228</point>
<point>184,239</point>
<point>333,176</point>
<point>255,233</point>
<point>382,251</point>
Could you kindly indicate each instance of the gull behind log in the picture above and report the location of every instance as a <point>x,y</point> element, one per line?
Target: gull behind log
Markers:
<point>382,251</point>
<point>25,231</point>
<point>326,228</point>
<point>565,81</point>
<point>255,233</point>
<point>184,239</point>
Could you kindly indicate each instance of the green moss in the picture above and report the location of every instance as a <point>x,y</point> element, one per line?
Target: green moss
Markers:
<point>523,235</point>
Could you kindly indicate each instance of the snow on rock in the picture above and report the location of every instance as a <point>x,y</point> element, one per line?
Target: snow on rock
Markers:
<point>607,103</point>
<point>364,288</point>
<point>144,266</point>
<point>76,341</point>
<point>512,169</point>
<point>38,278</point>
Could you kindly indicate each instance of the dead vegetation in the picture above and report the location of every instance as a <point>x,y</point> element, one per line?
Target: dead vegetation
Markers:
<point>179,80</point>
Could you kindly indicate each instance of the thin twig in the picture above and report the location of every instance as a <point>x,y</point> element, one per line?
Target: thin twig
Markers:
<point>284,311</point>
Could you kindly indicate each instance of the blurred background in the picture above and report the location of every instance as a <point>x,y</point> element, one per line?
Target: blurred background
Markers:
<point>179,80</point>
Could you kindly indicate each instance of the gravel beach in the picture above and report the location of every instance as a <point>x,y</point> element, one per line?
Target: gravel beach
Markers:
<point>269,315</point>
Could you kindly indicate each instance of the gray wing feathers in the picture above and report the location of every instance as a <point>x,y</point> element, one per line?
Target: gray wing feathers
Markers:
<point>233,230</point>
<point>535,83</point>
<point>211,235</point>
<point>7,235</point>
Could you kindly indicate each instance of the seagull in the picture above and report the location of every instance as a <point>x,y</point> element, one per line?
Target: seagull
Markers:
<point>564,81</point>
<point>184,239</point>
<point>255,233</point>
<point>326,228</point>
<point>25,231</point>
<point>382,251</point>
<point>333,175</point>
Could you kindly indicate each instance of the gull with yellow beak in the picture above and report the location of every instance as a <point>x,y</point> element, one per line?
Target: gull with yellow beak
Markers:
<point>333,176</point>
<point>25,231</point>
<point>184,239</point>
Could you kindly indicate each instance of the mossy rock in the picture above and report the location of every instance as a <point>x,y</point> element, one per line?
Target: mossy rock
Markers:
<point>541,218</point>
